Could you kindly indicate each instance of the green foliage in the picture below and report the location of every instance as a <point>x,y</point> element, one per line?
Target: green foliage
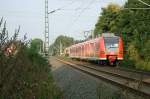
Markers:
<point>61,41</point>
<point>37,45</point>
<point>24,74</point>
<point>107,19</point>
<point>135,23</point>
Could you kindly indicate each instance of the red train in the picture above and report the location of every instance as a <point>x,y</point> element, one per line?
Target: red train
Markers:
<point>107,48</point>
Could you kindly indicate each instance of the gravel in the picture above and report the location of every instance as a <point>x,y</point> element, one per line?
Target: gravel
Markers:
<point>74,84</point>
<point>78,85</point>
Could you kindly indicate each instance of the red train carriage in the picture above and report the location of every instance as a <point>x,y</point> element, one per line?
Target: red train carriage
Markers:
<point>106,48</point>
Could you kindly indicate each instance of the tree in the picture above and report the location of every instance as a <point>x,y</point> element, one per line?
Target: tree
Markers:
<point>107,19</point>
<point>61,43</point>
<point>37,45</point>
<point>138,23</point>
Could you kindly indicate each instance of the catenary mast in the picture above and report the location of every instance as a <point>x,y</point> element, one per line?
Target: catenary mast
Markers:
<point>46,45</point>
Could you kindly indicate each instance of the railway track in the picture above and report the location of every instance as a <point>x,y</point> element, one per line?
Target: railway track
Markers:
<point>134,74</point>
<point>134,84</point>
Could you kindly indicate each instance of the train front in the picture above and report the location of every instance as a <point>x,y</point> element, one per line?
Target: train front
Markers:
<point>113,46</point>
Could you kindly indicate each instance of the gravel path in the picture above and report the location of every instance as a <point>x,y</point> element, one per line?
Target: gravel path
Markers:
<point>78,85</point>
<point>74,84</point>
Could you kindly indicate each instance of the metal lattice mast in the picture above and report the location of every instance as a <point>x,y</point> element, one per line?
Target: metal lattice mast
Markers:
<point>46,47</point>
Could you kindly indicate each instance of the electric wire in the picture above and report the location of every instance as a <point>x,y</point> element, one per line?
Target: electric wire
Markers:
<point>61,8</point>
<point>148,8</point>
<point>82,11</point>
<point>69,4</point>
<point>76,9</point>
<point>79,7</point>
<point>144,3</point>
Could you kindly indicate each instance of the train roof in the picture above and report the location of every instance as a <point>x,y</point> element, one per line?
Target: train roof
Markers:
<point>94,40</point>
<point>108,35</point>
<point>89,41</point>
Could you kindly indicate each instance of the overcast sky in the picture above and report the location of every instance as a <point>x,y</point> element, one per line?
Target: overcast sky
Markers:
<point>77,16</point>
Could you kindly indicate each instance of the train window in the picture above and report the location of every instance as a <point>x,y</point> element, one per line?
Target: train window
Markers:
<point>111,43</point>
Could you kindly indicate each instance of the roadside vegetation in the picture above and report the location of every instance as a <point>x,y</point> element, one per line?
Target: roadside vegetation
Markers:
<point>24,73</point>
<point>133,25</point>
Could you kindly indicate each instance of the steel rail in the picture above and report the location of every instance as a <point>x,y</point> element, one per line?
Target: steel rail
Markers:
<point>139,72</point>
<point>126,82</point>
<point>116,74</point>
<point>105,70</point>
<point>135,71</point>
<point>121,75</point>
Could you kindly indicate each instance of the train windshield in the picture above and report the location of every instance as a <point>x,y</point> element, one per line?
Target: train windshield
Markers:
<point>111,43</point>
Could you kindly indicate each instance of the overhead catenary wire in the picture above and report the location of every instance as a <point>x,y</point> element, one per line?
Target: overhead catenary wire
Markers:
<point>147,8</point>
<point>144,3</point>
<point>69,4</point>
<point>79,7</point>
<point>76,9</point>
<point>61,8</point>
<point>137,8</point>
<point>82,11</point>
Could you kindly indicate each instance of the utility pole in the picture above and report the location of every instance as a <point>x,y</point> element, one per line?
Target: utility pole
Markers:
<point>89,33</point>
<point>46,44</point>
<point>60,48</point>
<point>92,34</point>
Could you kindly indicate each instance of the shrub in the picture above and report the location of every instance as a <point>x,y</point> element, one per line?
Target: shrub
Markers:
<point>24,74</point>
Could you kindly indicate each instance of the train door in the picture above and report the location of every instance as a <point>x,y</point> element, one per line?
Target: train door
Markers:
<point>88,49</point>
<point>92,49</point>
<point>85,50</point>
<point>82,50</point>
<point>77,51</point>
<point>97,48</point>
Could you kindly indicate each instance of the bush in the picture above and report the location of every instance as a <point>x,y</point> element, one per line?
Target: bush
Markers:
<point>24,74</point>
